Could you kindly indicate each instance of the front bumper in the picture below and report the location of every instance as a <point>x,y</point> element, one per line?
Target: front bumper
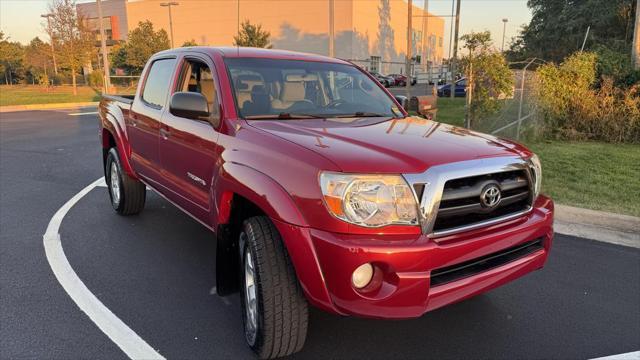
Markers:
<point>404,265</point>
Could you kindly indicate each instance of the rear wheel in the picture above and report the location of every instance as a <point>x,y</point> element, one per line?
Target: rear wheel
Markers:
<point>127,194</point>
<point>275,313</point>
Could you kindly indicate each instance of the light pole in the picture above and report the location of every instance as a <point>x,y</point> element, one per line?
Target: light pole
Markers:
<point>504,30</point>
<point>169,5</point>
<point>103,45</point>
<point>332,34</point>
<point>53,51</point>
<point>409,48</point>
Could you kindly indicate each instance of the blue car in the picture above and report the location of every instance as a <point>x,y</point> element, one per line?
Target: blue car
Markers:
<point>461,89</point>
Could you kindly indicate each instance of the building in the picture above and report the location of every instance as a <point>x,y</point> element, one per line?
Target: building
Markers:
<point>370,32</point>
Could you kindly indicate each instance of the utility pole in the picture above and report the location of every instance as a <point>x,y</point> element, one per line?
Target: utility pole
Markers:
<point>454,59</point>
<point>504,31</point>
<point>332,35</point>
<point>635,50</point>
<point>169,5</point>
<point>53,50</point>
<point>409,46</point>
<point>103,45</point>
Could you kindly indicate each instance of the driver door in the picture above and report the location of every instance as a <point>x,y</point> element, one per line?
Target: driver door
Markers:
<point>188,147</point>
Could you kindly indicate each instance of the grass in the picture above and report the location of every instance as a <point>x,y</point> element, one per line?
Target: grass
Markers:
<point>30,94</point>
<point>592,175</point>
<point>451,111</point>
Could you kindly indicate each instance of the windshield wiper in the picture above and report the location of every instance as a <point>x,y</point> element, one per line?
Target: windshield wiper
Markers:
<point>283,116</point>
<point>362,114</point>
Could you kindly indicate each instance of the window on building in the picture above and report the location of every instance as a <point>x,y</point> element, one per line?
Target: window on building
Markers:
<point>440,41</point>
<point>375,63</point>
<point>94,25</point>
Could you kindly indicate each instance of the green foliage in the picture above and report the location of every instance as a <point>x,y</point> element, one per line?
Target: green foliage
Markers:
<point>191,42</point>
<point>616,65</point>
<point>96,78</point>
<point>74,42</point>
<point>557,28</point>
<point>573,108</point>
<point>38,60</point>
<point>488,74</point>
<point>11,60</point>
<point>252,36</point>
<point>141,44</point>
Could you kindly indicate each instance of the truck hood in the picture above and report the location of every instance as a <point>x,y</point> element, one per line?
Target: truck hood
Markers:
<point>381,145</point>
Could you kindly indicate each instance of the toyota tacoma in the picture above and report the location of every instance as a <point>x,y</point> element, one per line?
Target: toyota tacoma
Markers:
<point>321,189</point>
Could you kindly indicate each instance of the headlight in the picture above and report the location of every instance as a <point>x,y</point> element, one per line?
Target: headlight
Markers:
<point>369,200</point>
<point>534,162</point>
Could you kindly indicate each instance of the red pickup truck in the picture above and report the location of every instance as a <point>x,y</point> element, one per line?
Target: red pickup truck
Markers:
<point>320,189</point>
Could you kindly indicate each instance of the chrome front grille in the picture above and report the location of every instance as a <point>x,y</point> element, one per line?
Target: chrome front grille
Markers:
<point>450,195</point>
<point>461,202</point>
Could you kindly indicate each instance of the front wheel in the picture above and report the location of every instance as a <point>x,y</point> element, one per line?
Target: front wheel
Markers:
<point>127,194</point>
<point>275,313</point>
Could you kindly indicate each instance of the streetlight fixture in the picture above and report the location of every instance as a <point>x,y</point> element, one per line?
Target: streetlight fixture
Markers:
<point>53,51</point>
<point>504,30</point>
<point>169,5</point>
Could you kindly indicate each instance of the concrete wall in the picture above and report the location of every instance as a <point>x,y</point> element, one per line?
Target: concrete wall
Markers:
<point>363,28</point>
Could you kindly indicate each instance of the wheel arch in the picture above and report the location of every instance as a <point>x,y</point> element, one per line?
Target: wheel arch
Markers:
<point>248,192</point>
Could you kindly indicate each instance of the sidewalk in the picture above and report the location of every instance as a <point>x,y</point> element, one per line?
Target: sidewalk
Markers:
<point>31,107</point>
<point>598,225</point>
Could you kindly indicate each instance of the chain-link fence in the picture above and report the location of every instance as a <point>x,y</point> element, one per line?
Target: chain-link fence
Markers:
<point>516,118</point>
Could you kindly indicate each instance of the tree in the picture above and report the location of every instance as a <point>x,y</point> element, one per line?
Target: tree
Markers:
<point>252,36</point>
<point>188,43</point>
<point>488,75</point>
<point>75,43</point>
<point>557,28</point>
<point>11,59</point>
<point>141,44</point>
<point>36,56</point>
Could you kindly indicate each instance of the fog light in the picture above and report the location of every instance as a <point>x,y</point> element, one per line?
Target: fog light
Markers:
<point>362,276</point>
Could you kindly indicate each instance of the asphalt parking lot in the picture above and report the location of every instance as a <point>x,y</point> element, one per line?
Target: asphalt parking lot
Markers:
<point>155,272</point>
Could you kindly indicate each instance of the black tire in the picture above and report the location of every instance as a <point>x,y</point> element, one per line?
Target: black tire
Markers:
<point>131,193</point>
<point>281,309</point>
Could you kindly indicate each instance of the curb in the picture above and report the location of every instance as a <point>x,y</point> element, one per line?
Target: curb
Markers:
<point>13,108</point>
<point>598,225</point>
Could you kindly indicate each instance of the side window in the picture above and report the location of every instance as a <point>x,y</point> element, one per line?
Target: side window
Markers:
<point>157,84</point>
<point>197,77</point>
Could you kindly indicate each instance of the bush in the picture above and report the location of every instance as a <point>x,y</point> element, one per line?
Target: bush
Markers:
<point>96,78</point>
<point>573,108</point>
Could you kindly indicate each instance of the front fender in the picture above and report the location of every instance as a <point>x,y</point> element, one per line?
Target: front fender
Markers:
<point>276,203</point>
<point>256,187</point>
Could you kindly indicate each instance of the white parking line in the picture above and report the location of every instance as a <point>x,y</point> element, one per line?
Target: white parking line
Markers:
<point>626,356</point>
<point>84,113</point>
<point>125,338</point>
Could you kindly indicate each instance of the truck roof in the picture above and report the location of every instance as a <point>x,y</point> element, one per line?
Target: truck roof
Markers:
<point>250,52</point>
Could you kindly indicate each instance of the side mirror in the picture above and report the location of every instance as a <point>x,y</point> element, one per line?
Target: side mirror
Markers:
<point>403,101</point>
<point>190,105</point>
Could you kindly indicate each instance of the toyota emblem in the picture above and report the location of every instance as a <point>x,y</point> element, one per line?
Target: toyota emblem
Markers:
<point>490,196</point>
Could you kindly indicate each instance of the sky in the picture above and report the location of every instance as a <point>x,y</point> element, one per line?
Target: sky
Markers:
<point>21,21</point>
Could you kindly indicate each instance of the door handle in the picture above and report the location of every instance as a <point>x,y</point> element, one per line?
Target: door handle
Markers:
<point>165,133</point>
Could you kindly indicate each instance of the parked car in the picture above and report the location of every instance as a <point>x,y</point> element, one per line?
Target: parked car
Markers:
<point>386,81</point>
<point>460,89</point>
<point>401,80</point>
<point>322,192</point>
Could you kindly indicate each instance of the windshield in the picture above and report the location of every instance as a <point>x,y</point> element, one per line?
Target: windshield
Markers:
<point>286,89</point>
